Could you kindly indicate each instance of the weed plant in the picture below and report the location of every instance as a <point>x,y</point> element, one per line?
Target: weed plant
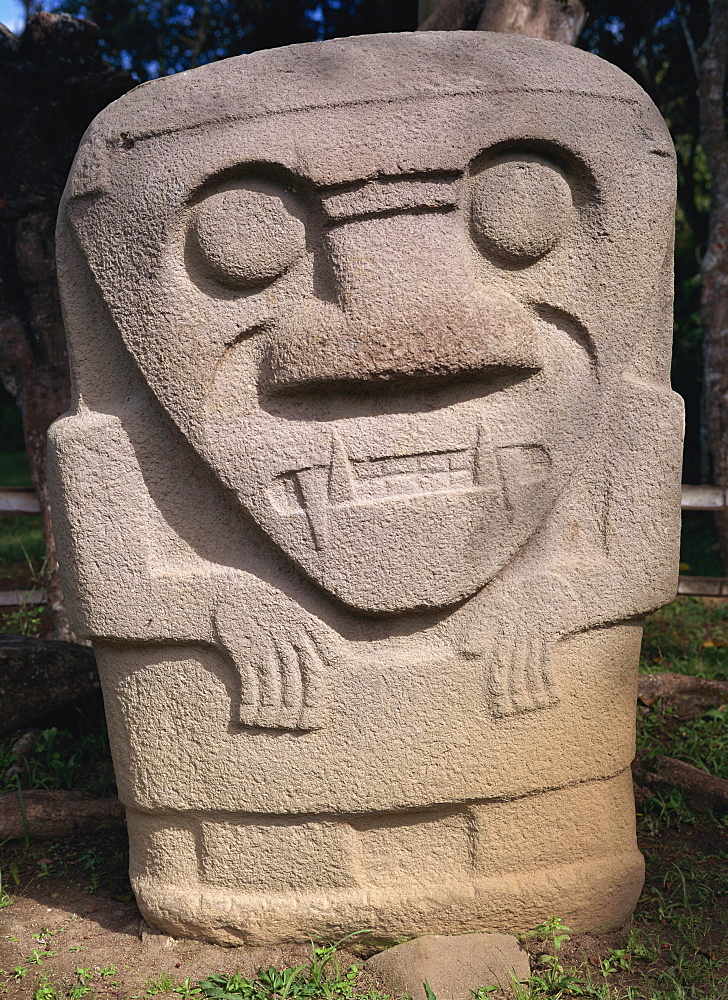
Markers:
<point>60,759</point>
<point>322,979</point>
<point>20,536</point>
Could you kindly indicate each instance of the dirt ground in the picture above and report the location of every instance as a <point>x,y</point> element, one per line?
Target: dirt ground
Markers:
<point>76,911</point>
<point>72,920</point>
<point>55,929</point>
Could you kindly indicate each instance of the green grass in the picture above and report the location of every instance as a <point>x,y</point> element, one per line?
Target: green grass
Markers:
<point>14,469</point>
<point>702,742</point>
<point>689,636</point>
<point>321,979</point>
<point>699,549</point>
<point>20,534</point>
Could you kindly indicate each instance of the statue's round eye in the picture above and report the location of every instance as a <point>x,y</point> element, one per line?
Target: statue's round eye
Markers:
<point>245,236</point>
<point>521,207</point>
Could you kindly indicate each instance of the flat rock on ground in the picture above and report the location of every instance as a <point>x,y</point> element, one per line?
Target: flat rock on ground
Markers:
<point>453,965</point>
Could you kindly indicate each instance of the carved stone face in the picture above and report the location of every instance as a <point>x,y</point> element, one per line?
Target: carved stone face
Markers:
<point>374,323</point>
<point>402,432</point>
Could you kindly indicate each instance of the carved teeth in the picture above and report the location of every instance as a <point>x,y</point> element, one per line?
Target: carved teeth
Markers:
<point>427,472</point>
<point>317,489</point>
<point>316,503</point>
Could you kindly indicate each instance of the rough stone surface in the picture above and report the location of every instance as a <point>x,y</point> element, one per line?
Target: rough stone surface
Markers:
<point>452,965</point>
<point>372,471</point>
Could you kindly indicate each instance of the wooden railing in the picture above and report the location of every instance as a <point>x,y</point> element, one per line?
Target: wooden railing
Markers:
<point>18,500</point>
<point>24,501</point>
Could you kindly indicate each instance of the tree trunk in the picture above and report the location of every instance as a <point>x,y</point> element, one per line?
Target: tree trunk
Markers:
<point>554,20</point>
<point>53,82</point>
<point>50,815</point>
<point>453,15</point>
<point>703,791</point>
<point>713,64</point>
<point>671,686</point>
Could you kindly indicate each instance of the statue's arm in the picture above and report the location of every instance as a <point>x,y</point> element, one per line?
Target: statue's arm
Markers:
<point>104,525</point>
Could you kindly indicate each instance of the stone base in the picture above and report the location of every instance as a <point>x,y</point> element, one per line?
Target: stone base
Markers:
<point>501,866</point>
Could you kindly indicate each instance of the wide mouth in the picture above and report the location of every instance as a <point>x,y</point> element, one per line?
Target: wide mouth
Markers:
<point>350,481</point>
<point>377,486</point>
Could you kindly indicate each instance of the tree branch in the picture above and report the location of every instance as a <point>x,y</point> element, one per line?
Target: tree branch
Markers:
<point>688,35</point>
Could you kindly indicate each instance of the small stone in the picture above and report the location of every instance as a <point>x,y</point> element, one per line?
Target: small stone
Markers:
<point>153,938</point>
<point>453,965</point>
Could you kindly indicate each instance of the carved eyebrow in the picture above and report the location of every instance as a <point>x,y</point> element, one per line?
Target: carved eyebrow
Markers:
<point>391,194</point>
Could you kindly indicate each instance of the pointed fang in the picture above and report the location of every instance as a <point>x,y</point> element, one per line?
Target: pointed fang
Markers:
<point>341,479</point>
<point>485,471</point>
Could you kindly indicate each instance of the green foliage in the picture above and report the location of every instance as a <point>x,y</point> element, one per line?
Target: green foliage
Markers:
<point>44,991</point>
<point>78,991</point>
<point>21,555</point>
<point>27,617</point>
<point>38,956</point>
<point>186,990</point>
<point>21,538</point>
<point>554,980</point>
<point>5,900</point>
<point>61,759</point>
<point>322,979</point>
<point>25,620</point>
<point>163,983</point>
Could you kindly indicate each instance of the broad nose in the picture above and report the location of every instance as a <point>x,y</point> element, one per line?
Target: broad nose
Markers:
<point>409,307</point>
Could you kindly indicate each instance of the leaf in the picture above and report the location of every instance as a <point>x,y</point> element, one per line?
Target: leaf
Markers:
<point>429,992</point>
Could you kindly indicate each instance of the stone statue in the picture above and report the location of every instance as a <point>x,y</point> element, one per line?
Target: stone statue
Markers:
<point>371,474</point>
